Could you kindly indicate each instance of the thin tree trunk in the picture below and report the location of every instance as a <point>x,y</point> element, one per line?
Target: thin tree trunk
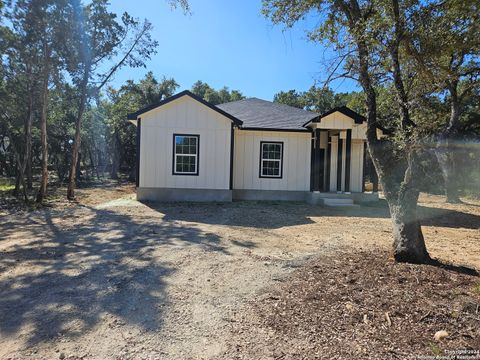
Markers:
<point>93,166</point>
<point>115,158</point>
<point>42,191</point>
<point>29,173</point>
<point>27,159</point>
<point>76,144</point>
<point>79,167</point>
<point>16,191</point>
<point>20,167</point>
<point>21,179</point>
<point>28,143</point>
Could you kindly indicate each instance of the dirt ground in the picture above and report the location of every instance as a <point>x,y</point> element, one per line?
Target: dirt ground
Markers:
<point>112,278</point>
<point>361,306</point>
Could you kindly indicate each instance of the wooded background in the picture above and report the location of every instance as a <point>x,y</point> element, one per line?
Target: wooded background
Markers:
<point>61,122</point>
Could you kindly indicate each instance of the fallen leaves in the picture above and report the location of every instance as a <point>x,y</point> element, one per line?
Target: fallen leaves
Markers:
<point>363,306</point>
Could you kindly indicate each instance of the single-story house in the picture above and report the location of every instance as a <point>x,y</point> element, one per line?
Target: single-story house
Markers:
<point>252,149</point>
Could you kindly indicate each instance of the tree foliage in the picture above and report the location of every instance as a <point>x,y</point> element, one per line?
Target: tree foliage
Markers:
<point>213,96</point>
<point>57,57</point>
<point>387,44</point>
<point>320,99</point>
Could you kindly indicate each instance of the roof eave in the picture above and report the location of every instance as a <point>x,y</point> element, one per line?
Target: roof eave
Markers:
<point>312,120</point>
<point>253,128</point>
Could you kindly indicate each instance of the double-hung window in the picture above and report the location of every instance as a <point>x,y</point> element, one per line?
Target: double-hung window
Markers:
<point>271,159</point>
<point>185,154</point>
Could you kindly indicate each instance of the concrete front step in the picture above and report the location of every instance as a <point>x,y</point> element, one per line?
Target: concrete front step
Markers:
<point>318,198</point>
<point>337,202</point>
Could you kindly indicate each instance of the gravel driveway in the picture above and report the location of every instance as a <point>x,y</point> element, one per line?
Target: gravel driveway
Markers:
<point>125,280</point>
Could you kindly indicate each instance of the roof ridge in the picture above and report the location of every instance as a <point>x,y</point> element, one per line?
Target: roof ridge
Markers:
<point>273,103</point>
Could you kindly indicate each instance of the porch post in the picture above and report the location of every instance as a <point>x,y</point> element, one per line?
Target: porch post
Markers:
<point>348,153</point>
<point>318,162</point>
<point>339,163</point>
<point>137,170</point>
<point>312,162</point>
<point>364,164</point>
<point>329,160</point>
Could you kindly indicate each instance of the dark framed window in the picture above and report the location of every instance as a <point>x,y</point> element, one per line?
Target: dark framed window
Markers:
<point>271,159</point>
<point>185,154</point>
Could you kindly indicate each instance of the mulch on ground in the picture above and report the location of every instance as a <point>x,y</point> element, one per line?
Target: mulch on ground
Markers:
<point>362,306</point>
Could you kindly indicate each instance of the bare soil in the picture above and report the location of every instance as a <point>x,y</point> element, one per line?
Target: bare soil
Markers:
<point>111,278</point>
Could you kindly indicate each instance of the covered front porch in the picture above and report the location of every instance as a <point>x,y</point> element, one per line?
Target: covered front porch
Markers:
<point>338,159</point>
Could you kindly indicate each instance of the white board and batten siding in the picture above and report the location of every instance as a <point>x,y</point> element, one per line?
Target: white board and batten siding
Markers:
<point>356,162</point>
<point>356,165</point>
<point>185,116</point>
<point>296,161</point>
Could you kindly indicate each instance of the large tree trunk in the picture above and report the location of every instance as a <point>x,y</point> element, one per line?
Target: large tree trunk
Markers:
<point>42,191</point>
<point>400,187</point>
<point>398,177</point>
<point>408,241</point>
<point>402,196</point>
<point>396,180</point>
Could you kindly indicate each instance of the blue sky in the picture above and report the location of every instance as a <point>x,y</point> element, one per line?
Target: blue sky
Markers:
<point>228,42</point>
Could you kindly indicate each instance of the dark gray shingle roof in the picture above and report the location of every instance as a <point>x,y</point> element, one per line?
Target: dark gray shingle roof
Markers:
<point>257,113</point>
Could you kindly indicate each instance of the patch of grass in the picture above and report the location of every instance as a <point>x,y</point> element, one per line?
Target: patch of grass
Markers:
<point>6,187</point>
<point>476,288</point>
<point>436,350</point>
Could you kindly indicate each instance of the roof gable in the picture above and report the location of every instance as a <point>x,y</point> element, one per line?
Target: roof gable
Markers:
<point>135,115</point>
<point>357,118</point>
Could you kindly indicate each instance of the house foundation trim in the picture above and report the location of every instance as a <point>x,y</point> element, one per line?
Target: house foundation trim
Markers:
<point>270,195</point>
<point>175,194</point>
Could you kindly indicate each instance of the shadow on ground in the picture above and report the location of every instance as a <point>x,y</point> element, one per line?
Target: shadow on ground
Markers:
<point>105,262</point>
<point>273,215</point>
<point>71,277</point>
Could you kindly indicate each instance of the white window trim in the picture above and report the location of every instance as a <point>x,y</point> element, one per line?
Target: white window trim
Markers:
<point>197,138</point>
<point>280,161</point>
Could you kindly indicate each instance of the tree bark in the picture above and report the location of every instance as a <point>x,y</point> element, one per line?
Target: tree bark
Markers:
<point>408,243</point>
<point>395,174</point>
<point>42,191</point>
